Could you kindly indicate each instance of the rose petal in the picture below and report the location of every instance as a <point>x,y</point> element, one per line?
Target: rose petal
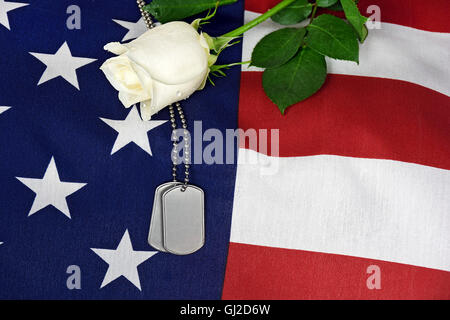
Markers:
<point>116,48</point>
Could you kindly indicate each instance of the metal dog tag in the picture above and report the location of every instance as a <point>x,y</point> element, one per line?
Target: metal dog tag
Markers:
<point>183,219</point>
<point>155,235</point>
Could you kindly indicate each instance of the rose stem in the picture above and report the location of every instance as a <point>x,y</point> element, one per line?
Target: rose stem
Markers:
<point>237,32</point>
<point>313,15</point>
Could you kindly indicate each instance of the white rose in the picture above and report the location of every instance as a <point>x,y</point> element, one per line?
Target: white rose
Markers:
<point>164,65</point>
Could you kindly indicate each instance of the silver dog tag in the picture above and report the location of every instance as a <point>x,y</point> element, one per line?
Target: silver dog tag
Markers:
<point>183,219</point>
<point>155,235</point>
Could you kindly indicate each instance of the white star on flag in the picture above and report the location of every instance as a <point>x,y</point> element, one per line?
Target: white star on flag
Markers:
<point>123,261</point>
<point>62,63</point>
<point>132,129</point>
<point>3,108</point>
<point>135,29</point>
<point>5,7</point>
<point>50,190</point>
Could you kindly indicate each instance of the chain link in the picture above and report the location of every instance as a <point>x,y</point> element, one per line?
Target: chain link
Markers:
<point>145,15</point>
<point>187,144</point>
<point>149,22</point>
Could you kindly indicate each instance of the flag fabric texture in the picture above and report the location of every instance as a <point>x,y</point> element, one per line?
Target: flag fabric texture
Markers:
<point>358,208</point>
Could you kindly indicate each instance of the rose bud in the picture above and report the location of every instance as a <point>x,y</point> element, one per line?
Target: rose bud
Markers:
<point>164,65</point>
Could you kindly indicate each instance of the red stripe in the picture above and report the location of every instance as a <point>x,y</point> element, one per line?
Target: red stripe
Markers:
<point>425,15</point>
<point>357,117</point>
<point>255,272</point>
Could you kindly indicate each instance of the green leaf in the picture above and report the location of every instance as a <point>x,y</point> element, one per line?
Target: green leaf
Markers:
<point>326,3</point>
<point>338,6</point>
<point>333,37</point>
<point>172,10</point>
<point>296,12</point>
<point>278,47</point>
<point>198,22</point>
<point>296,80</point>
<point>218,44</point>
<point>355,18</point>
<point>217,70</point>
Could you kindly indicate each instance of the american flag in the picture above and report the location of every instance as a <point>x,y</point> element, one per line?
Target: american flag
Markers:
<point>362,191</point>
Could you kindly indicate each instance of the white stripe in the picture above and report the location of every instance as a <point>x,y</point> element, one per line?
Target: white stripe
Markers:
<point>393,52</point>
<point>370,208</point>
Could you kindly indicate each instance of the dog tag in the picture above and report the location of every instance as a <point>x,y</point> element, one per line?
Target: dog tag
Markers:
<point>155,235</point>
<point>183,219</point>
